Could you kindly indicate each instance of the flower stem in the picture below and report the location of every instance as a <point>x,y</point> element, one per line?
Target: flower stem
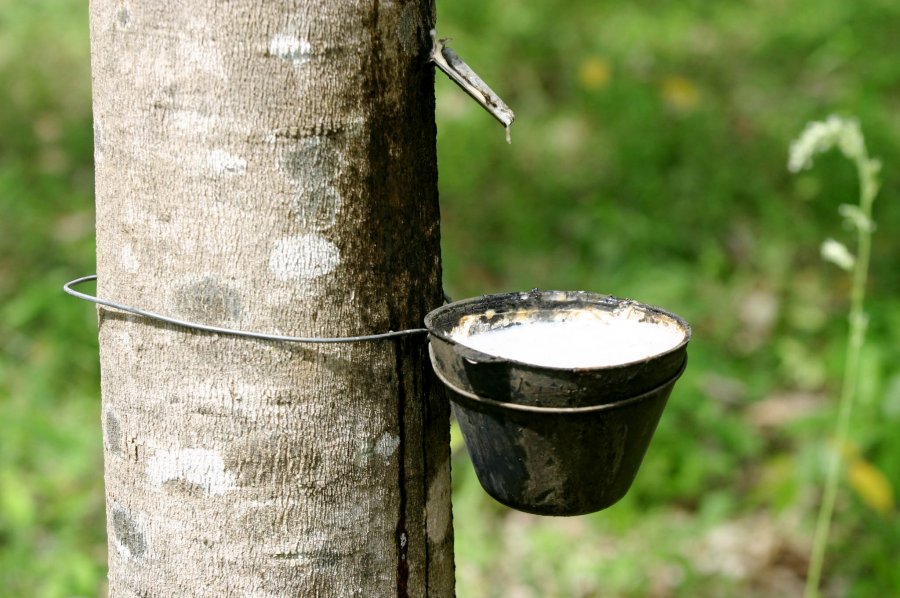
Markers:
<point>857,331</point>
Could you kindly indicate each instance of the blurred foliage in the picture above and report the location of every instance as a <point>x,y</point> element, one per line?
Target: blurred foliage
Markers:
<point>52,536</point>
<point>648,161</point>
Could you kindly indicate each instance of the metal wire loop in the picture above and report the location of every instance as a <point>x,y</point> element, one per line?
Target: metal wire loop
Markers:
<point>229,331</point>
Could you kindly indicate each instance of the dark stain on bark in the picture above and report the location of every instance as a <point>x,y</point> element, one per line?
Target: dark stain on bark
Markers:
<point>123,17</point>
<point>385,212</point>
<point>127,532</point>
<point>184,487</point>
<point>420,382</point>
<point>208,300</point>
<point>113,433</point>
<point>315,158</point>
<point>398,207</point>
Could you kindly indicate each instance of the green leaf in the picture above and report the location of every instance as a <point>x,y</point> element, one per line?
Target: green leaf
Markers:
<point>17,507</point>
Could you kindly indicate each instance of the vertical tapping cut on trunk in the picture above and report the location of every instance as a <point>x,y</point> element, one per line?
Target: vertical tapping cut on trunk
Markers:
<point>402,537</point>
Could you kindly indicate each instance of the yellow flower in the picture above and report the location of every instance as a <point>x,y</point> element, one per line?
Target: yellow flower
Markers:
<point>680,93</point>
<point>595,73</point>
<point>872,486</point>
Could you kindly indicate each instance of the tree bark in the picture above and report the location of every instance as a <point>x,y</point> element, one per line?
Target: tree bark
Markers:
<point>269,166</point>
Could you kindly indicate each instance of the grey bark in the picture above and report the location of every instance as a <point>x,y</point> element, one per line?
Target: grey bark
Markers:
<point>269,166</point>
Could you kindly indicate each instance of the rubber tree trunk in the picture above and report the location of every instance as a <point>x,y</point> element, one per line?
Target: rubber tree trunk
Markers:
<point>269,166</point>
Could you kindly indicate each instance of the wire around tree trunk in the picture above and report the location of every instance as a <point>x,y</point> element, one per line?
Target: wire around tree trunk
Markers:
<point>68,288</point>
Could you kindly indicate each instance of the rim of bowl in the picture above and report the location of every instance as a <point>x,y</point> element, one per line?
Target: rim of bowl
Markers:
<point>584,296</point>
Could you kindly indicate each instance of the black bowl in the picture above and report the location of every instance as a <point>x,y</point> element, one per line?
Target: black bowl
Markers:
<point>558,461</point>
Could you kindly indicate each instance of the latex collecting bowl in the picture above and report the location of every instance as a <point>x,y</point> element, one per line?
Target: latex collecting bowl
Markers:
<point>557,394</point>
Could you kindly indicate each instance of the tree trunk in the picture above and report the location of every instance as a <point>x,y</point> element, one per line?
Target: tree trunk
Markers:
<point>269,166</point>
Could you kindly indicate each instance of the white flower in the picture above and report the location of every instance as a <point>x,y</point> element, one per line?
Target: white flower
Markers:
<point>851,141</point>
<point>821,136</point>
<point>856,218</point>
<point>838,254</point>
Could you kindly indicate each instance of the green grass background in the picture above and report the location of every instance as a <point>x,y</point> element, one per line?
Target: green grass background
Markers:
<point>648,161</point>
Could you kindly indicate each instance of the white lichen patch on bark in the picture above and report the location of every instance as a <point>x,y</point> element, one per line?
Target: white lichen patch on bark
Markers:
<point>290,47</point>
<point>127,345</point>
<point>186,56</point>
<point>128,259</point>
<point>99,139</point>
<point>387,444</point>
<point>200,467</point>
<point>303,258</point>
<point>222,162</point>
<point>192,121</point>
